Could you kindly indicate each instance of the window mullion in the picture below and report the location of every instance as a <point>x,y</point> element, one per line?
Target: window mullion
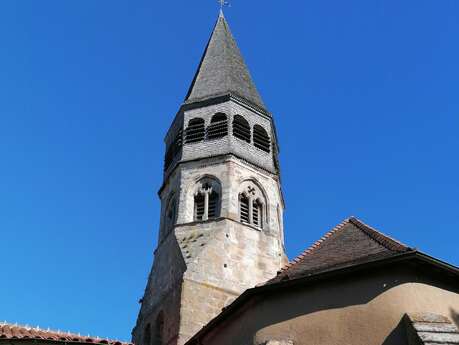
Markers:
<point>206,205</point>
<point>250,209</point>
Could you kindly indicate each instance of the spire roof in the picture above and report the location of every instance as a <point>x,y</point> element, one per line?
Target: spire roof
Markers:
<point>222,69</point>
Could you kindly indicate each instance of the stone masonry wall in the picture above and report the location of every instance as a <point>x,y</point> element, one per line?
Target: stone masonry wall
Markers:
<point>202,266</point>
<point>231,172</point>
<point>223,259</point>
<point>163,291</point>
<point>206,265</point>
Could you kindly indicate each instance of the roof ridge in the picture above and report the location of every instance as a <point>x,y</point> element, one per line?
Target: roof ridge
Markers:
<point>315,245</point>
<point>376,235</point>
<point>7,329</point>
<point>379,237</point>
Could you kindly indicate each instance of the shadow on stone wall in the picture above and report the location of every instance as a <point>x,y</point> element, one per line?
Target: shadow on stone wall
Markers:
<point>162,299</point>
<point>455,316</point>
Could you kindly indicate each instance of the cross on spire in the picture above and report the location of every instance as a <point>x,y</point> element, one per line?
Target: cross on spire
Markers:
<point>223,3</point>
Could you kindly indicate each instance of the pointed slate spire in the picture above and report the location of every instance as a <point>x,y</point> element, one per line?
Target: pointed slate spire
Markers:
<point>222,69</point>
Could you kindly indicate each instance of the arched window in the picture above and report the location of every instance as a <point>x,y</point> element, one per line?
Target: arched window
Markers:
<point>252,205</point>
<point>241,128</point>
<point>195,131</point>
<point>147,335</point>
<point>218,127</point>
<point>207,199</point>
<point>159,330</point>
<point>261,138</point>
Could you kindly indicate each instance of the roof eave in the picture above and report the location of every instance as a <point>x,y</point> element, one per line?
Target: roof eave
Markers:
<point>313,278</point>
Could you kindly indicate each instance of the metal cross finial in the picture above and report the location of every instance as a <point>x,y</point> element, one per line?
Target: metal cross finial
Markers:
<point>223,3</point>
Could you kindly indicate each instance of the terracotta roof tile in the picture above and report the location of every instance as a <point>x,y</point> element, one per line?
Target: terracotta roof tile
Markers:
<point>10,331</point>
<point>350,242</point>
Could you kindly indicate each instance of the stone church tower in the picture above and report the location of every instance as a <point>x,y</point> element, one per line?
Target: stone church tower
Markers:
<point>221,228</point>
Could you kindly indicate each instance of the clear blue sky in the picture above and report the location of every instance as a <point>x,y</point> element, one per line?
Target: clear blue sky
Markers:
<point>364,94</point>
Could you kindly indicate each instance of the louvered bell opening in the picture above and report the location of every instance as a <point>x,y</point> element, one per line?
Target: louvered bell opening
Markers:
<point>241,128</point>
<point>169,157</point>
<point>195,131</point>
<point>244,210</point>
<point>218,127</point>
<point>173,150</point>
<point>213,205</point>
<point>199,207</point>
<point>261,139</point>
<point>257,214</point>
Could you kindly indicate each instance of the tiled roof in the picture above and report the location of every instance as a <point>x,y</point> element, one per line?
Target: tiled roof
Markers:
<point>11,332</point>
<point>222,70</point>
<point>350,245</point>
<point>431,329</point>
<point>350,242</point>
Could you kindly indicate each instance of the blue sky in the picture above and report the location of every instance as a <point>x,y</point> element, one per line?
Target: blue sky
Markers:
<point>364,94</point>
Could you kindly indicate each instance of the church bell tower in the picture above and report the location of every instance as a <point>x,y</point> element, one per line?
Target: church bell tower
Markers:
<point>221,228</point>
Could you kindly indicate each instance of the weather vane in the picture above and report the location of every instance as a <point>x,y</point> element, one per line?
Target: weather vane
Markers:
<point>223,3</point>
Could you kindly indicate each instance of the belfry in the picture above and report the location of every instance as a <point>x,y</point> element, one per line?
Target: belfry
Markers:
<point>220,274</point>
<point>221,229</point>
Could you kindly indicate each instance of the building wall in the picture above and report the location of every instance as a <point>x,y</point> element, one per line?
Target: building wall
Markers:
<point>231,172</point>
<point>201,267</point>
<point>163,292</point>
<point>365,310</point>
<point>228,144</point>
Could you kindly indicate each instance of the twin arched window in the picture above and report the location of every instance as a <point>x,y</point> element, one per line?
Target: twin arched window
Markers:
<point>196,130</point>
<point>252,205</point>
<point>207,199</point>
<point>207,202</point>
<point>241,130</point>
<point>251,211</point>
